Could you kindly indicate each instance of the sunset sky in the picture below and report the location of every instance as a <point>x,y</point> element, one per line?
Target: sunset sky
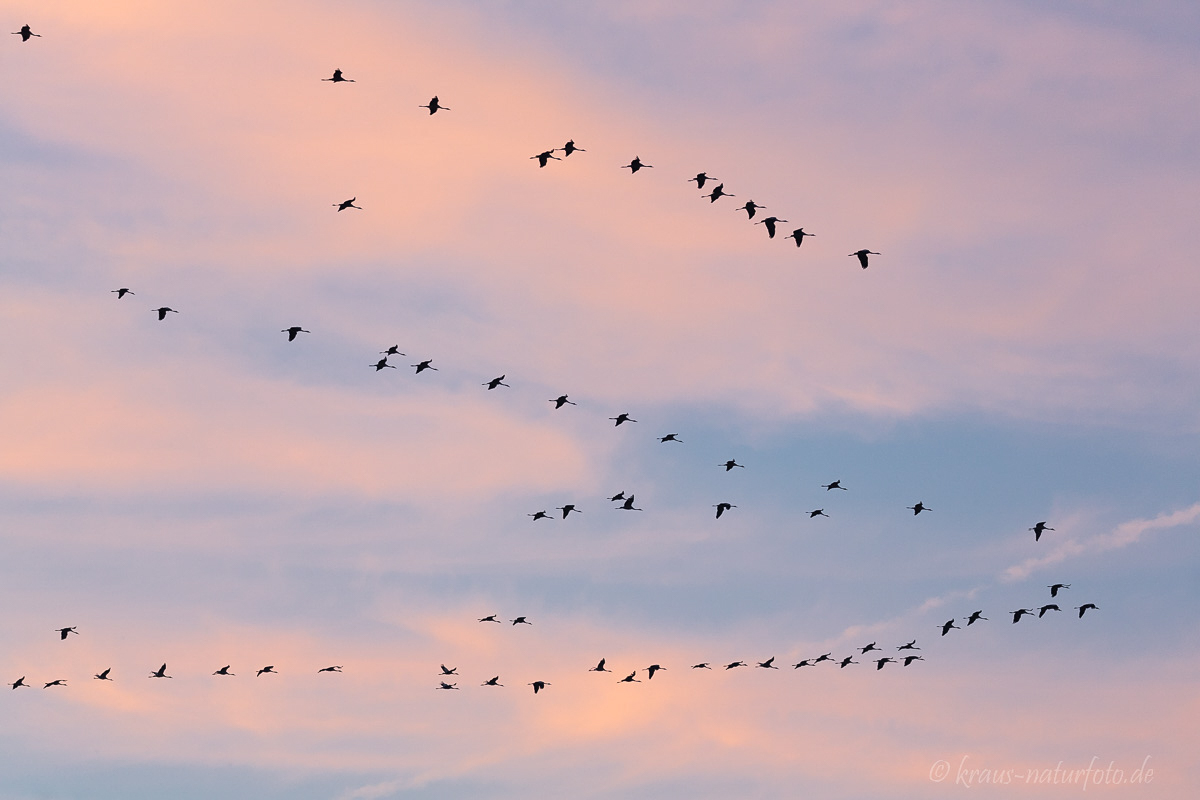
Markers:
<point>201,492</point>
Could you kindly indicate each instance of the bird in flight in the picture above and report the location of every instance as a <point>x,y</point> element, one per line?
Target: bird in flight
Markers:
<point>521,621</point>
<point>543,158</point>
<point>1054,589</point>
<point>492,682</point>
<point>490,618</point>
<point>600,667</point>
<point>718,192</point>
<point>909,659</point>
<point>770,223</point>
<point>910,646</point>
<point>799,235</point>
<point>862,256</point>
<point>826,657</point>
<point>269,669</point>
<point>730,464</point>
<point>449,670</point>
<point>918,508</point>
<point>700,180</point>
<point>445,685</point>
<point>949,626</point>
<point>338,77</point>
<point>382,364</point>
<point>817,512</point>
<point>25,33</point>
<point>846,661</point>
<point>539,515</point>
<point>561,401</point>
<point>394,350</point>
<point>434,106</point>
<point>750,207</point>
<point>735,664</point>
<point>424,365</point>
<point>224,671</point>
<point>879,662</point>
<point>702,665</point>
<point>671,437</point>
<point>494,382</point>
<point>538,686</point>
<point>618,497</point>
<point>1038,530</point>
<point>1020,612</point>
<point>635,165</point>
<point>768,664</point>
<point>292,331</point>
<point>975,617</point>
<point>162,312</point>
<point>1083,608</point>
<point>622,418</point>
<point>835,485</point>
<point>805,663</point>
<point>59,682</point>
<point>630,678</point>
<point>161,672</point>
<point>342,206</point>
<point>722,508</point>
<point>567,509</point>
<point>653,668</point>
<point>335,668</point>
<point>19,682</point>
<point>1048,607</point>
<point>868,648</point>
<point>628,505</point>
<point>570,147</point>
<point>122,292</point>
<point>103,676</point>
<point>62,633</point>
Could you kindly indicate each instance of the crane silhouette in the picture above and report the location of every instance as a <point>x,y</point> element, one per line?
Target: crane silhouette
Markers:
<point>62,633</point>
<point>223,671</point>
<point>103,676</point>
<point>122,292</point>
<point>635,165</point>
<point>424,365</point>
<point>570,147</point>
<point>718,192</point>
<point>671,437</point>
<point>561,401</point>
<point>382,364</point>
<point>770,223</point>
<point>750,207</point>
<point>1084,608</point>
<point>161,672</point>
<point>434,106</point>
<point>292,331</point>
<point>1054,589</point>
<point>722,508</point>
<point>600,667</point>
<point>918,508</point>
<point>799,235</point>
<point>342,206</point>
<point>1038,530</point>
<point>494,382</point>
<point>162,312</point>
<point>543,158</point>
<point>25,33</point>
<point>700,179</point>
<point>862,256</point>
<point>338,77</point>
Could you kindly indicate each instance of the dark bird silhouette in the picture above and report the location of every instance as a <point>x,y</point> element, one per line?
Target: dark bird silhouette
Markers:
<point>1020,612</point>
<point>1083,608</point>
<point>949,626</point>
<point>700,180</point>
<point>750,208</point>
<point>434,106</point>
<point>25,33</point>
<point>670,437</point>
<point>62,633</point>
<point>918,508</point>
<point>543,158</point>
<point>538,686</point>
<point>492,682</point>
<point>975,617</point>
<point>59,682</point>
<point>270,669</point>
<point>338,77</point>
<point>817,512</point>
<point>561,401</point>
<point>567,509</point>
<point>394,350</point>
<point>223,671</point>
<point>335,668</point>
<point>292,331</point>
<point>826,657</point>
<point>868,648</point>
<point>770,223</point>
<point>879,662</point>
<point>909,659</point>
<point>846,661</point>
<point>494,382</point>
<point>382,364</point>
<point>1048,607</point>
<point>628,504</point>
<point>600,667</point>
<point>619,496</point>
<point>539,515</point>
<point>342,206</point>
<point>445,685</point>
<point>19,682</point>
<point>570,147</point>
<point>122,292</point>
<point>1038,530</point>
<point>718,192</point>
<point>622,418</point>
<point>521,621</point>
<point>910,646</point>
<point>161,672</point>
<point>424,365</point>
<point>805,663</point>
<point>653,668</point>
<point>449,670</point>
<point>701,665</point>
<point>162,312</point>
<point>490,618</point>
<point>103,676</point>
<point>730,464</point>
<point>1054,589</point>
<point>636,164</point>
<point>862,256</point>
<point>835,485</point>
<point>630,678</point>
<point>768,664</point>
<point>735,664</point>
<point>799,235</point>
<point>722,508</point>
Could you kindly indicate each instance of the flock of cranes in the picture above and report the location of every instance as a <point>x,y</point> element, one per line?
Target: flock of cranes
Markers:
<point>904,654</point>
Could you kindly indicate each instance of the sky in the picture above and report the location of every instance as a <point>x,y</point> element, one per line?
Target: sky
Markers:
<point>201,492</point>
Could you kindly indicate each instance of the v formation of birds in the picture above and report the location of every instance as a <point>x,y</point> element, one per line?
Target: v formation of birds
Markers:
<point>905,653</point>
